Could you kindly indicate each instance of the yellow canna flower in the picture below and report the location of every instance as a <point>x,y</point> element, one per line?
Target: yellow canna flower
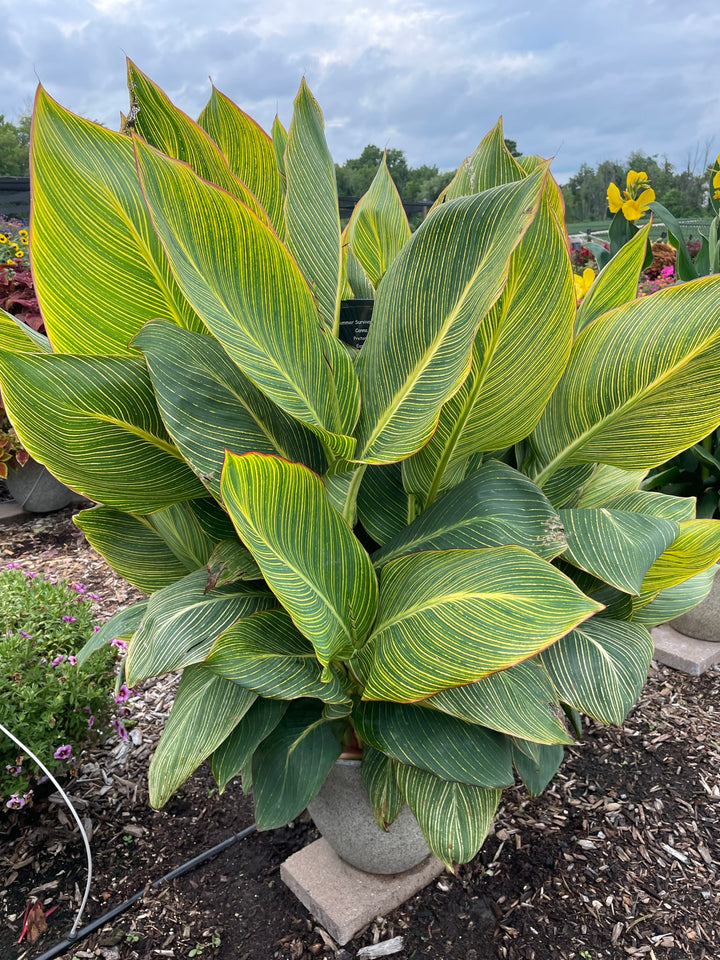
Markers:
<point>633,209</point>
<point>583,283</point>
<point>614,198</point>
<point>635,199</point>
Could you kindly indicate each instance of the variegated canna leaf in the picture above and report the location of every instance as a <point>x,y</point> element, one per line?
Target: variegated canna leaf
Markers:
<point>108,441</point>
<point>17,337</point>
<point>267,654</point>
<point>696,548</point>
<point>674,601</point>
<point>441,285</point>
<point>311,208</point>
<point>206,709</point>
<point>237,749</point>
<point>384,508</point>
<point>85,184</point>
<point>454,817</point>
<point>435,741</point>
<point>270,329</point>
<point>536,773</point>
<point>331,595</point>
<point>490,165</point>
<point>378,773</point>
<point>617,282</point>
<point>183,621</point>
<point>120,626</point>
<point>450,617</point>
<point>600,667</point>
<point>630,397</point>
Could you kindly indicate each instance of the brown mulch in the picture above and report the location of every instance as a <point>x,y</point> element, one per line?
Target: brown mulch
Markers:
<point>619,858</point>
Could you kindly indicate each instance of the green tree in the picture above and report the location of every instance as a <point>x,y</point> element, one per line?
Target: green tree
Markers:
<point>15,146</point>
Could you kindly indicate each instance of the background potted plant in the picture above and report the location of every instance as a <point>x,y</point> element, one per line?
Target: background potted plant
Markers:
<point>434,550</point>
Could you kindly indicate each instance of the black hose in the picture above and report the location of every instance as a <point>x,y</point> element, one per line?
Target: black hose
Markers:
<point>122,907</point>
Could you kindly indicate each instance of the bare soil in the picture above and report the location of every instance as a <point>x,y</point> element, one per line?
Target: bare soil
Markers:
<point>619,858</point>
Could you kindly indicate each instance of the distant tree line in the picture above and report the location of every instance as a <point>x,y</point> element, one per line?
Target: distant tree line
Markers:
<point>15,146</point>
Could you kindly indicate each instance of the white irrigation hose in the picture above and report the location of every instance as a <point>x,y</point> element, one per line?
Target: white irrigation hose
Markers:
<point>73,811</point>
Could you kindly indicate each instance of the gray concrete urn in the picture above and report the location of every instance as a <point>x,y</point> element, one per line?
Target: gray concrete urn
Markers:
<point>703,621</point>
<point>34,488</point>
<point>343,814</point>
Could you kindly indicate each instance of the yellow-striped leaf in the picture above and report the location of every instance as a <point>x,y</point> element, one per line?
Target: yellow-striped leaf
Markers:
<point>248,290</point>
<point>449,617</point>
<point>696,548</point>
<point>265,653</point>
<point>440,286</point>
<point>454,817</point>
<point>378,773</point>
<point>641,384</point>
<point>210,406</point>
<point>519,701</point>
<point>378,228</point>
<point>131,546</point>
<point>230,561</point>
<point>490,165</point>
<point>617,282</point>
<point>435,741</point>
<point>85,185</point>
<point>538,770</point>
<point>167,128</point>
<point>236,750</point>
<point>279,139</point>
<point>317,568</point>
<point>206,709</point>
<point>674,601</point>
<point>497,506</point>
<point>600,667</point>
<point>183,621</point>
<point>289,767</point>
<point>384,508</point>
<point>654,504</point>
<point>616,546</point>
<point>311,208</point>
<point>107,441</point>
<point>18,337</point>
<point>519,354</point>
<point>193,529</point>
<point>121,625</point>
<point>249,152</point>
<point>606,483</point>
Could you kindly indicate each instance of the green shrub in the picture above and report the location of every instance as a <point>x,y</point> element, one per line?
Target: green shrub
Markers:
<point>49,702</point>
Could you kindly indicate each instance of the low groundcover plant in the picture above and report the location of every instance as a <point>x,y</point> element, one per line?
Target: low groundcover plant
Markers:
<point>435,550</point>
<point>53,705</point>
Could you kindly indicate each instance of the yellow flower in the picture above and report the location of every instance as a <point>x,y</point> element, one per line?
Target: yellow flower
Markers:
<point>4,239</point>
<point>716,178</point>
<point>19,254</point>
<point>583,283</point>
<point>635,199</point>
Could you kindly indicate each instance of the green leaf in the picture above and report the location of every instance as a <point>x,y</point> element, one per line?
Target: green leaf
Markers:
<point>249,152</point>
<point>185,529</point>
<point>182,622</point>
<point>384,509</point>
<point>378,228</point>
<point>454,817</point>
<point>210,406</point>
<point>519,701</point>
<point>290,766</point>
<point>453,616</point>
<point>206,709</point>
<point>122,624</point>
<point>386,798</point>
<point>270,329</point>
<point>685,267</point>
<point>607,483</point>
<point>237,749</point>
<point>441,285</point>
<point>696,548</point>
<point>265,653</point>
<point>675,601</point>
<point>600,667</point>
<point>279,138</point>
<point>168,129</point>
<point>316,568</point>
<point>537,774</point>
<point>617,281</point>
<point>230,561</point>
<point>311,207</point>
<point>132,548</point>
<point>85,185</point>
<point>519,354</point>
<point>107,440</point>
<point>489,166</point>
<point>17,337</point>
<point>494,507</point>
<point>652,504</point>
<point>616,546</point>
<point>435,741</point>
<point>630,397</point>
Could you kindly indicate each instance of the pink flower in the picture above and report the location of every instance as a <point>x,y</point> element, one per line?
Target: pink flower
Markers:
<point>120,644</point>
<point>15,802</point>
<point>120,729</point>
<point>123,693</point>
<point>78,587</point>
<point>70,619</point>
<point>91,721</point>
<point>58,660</point>
<point>668,271</point>
<point>64,752</point>
<point>72,660</point>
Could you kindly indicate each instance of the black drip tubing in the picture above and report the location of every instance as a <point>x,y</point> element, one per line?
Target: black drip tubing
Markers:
<point>122,907</point>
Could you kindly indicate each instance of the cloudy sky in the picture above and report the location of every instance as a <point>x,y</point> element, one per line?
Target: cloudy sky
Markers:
<point>581,81</point>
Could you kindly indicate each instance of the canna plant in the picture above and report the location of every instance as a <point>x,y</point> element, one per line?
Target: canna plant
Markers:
<point>433,551</point>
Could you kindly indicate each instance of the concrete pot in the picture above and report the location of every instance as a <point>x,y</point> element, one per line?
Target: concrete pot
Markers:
<point>34,488</point>
<point>343,814</point>
<point>703,621</point>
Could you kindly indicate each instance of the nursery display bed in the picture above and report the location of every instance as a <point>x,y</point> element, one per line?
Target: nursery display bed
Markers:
<point>619,858</point>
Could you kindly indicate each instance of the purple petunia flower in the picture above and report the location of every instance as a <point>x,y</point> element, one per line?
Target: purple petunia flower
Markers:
<point>15,802</point>
<point>70,619</point>
<point>28,636</point>
<point>123,693</point>
<point>64,752</point>
<point>78,587</point>
<point>120,729</point>
<point>58,660</point>
<point>120,644</point>
<point>91,721</point>
<point>12,566</point>
<point>72,660</point>
<point>93,596</point>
